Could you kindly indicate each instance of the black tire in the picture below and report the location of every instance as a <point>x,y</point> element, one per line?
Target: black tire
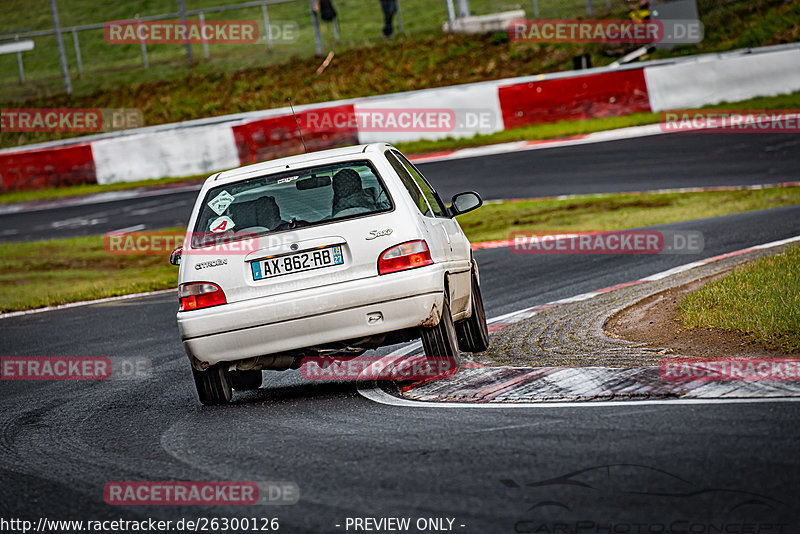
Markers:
<point>213,385</point>
<point>440,340</point>
<point>473,332</point>
<point>245,380</point>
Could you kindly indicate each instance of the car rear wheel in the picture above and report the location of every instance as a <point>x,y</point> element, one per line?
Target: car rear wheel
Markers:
<point>473,332</point>
<point>213,385</point>
<point>245,380</point>
<point>440,340</point>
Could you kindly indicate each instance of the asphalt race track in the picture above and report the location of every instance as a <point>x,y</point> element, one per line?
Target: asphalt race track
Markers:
<point>656,468</point>
<point>645,163</point>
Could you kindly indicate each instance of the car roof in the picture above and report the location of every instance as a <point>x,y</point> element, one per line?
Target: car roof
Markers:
<point>301,160</point>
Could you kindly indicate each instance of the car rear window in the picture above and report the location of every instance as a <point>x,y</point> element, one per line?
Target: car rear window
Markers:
<point>290,200</point>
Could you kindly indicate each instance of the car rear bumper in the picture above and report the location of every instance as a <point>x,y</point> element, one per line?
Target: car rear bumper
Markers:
<point>313,317</point>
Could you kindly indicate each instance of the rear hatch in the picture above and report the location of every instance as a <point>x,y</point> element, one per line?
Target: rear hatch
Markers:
<point>295,230</point>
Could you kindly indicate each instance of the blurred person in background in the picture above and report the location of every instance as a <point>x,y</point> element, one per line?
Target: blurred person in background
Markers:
<point>389,9</point>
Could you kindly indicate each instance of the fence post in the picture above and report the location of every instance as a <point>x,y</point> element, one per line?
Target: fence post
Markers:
<point>589,8</point>
<point>451,15</point>
<point>186,44</point>
<point>463,8</point>
<point>144,47</point>
<point>19,62</point>
<point>265,14</point>
<point>315,24</point>
<point>399,18</point>
<point>203,34</point>
<point>61,52</point>
<point>77,52</point>
<point>536,8</point>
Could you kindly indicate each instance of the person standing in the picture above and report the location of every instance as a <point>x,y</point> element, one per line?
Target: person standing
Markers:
<point>389,9</point>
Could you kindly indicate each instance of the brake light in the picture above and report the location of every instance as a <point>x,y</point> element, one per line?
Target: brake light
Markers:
<point>404,256</point>
<point>198,295</point>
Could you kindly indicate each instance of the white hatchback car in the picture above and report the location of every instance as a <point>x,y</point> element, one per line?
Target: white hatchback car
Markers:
<point>330,253</point>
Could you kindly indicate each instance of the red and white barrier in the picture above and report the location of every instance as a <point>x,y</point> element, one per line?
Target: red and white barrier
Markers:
<point>210,145</point>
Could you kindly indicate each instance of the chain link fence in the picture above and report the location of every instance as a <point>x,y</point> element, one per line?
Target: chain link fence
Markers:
<point>286,30</point>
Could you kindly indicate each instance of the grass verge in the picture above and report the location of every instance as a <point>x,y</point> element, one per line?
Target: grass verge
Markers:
<point>59,271</point>
<point>88,189</point>
<point>496,220</point>
<point>47,273</point>
<point>760,300</point>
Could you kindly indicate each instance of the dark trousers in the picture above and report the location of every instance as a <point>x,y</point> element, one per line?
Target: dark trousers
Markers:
<point>389,9</point>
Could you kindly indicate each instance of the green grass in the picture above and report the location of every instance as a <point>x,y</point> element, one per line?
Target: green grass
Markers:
<point>46,273</point>
<point>497,220</point>
<point>760,300</point>
<point>59,271</point>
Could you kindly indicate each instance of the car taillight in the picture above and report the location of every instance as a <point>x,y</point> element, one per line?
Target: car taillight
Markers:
<point>198,295</point>
<point>404,256</point>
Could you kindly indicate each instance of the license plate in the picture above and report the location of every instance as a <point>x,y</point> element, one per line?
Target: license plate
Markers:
<point>297,263</point>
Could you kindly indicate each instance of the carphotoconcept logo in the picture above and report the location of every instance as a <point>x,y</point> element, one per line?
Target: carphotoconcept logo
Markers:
<point>84,120</point>
<point>606,31</point>
<point>731,121</point>
<point>614,242</point>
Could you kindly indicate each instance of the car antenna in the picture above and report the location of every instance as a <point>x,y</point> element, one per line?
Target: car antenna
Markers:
<point>298,124</point>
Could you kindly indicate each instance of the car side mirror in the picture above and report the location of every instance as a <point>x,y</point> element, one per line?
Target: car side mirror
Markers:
<point>175,256</point>
<point>464,202</point>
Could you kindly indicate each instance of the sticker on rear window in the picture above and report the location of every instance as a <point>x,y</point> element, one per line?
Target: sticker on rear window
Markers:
<point>221,202</point>
<point>221,224</point>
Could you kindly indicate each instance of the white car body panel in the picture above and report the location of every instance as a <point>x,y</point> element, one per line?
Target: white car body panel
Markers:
<point>328,305</point>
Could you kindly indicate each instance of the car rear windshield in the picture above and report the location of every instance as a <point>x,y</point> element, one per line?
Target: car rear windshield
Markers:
<point>290,200</point>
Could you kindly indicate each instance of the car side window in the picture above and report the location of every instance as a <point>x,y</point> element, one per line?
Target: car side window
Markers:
<point>430,195</point>
<point>410,184</point>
